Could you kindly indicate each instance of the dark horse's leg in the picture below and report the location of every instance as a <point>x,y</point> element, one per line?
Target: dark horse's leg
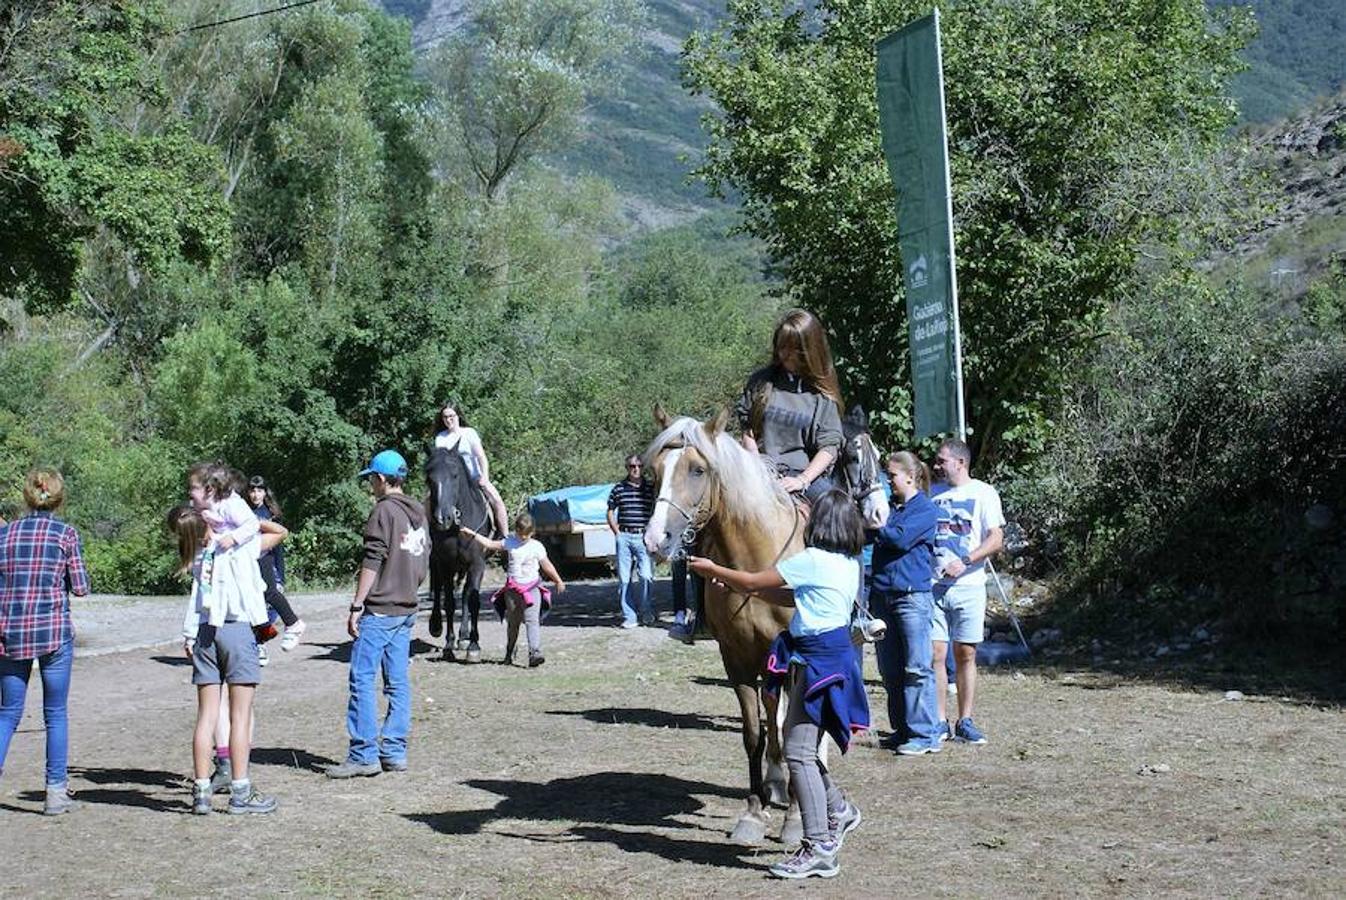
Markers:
<point>472,600</point>
<point>436,587</point>
<point>447,574</point>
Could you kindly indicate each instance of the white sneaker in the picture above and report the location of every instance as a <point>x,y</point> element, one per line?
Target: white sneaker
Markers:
<point>262,658</point>
<point>290,639</point>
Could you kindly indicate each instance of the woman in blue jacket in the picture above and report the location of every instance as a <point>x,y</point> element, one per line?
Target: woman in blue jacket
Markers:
<point>904,552</point>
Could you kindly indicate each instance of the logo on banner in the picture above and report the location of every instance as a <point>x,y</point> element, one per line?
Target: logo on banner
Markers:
<point>917,272</point>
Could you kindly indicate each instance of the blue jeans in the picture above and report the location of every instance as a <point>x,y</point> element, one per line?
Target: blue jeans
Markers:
<point>55,668</point>
<point>384,645</point>
<point>904,663</point>
<point>631,549</point>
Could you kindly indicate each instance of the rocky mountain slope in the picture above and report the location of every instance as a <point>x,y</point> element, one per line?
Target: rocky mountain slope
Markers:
<point>1304,160</point>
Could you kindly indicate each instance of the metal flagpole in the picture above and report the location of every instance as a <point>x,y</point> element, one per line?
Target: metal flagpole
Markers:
<point>953,290</point>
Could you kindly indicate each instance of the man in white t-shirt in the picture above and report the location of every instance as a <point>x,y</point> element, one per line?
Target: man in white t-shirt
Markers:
<point>970,530</point>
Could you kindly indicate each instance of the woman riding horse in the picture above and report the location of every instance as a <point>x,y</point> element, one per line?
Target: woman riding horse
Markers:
<point>790,410</point>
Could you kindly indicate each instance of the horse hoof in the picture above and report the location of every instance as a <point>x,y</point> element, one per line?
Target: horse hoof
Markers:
<point>778,793</point>
<point>792,832</point>
<point>748,832</point>
<point>474,654</point>
<point>460,644</point>
<point>436,624</point>
<point>448,655</point>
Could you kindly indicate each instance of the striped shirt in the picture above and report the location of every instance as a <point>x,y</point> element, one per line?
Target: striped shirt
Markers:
<point>634,504</point>
<point>40,566</point>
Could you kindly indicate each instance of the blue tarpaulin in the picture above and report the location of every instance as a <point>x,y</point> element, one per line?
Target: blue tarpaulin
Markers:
<point>585,504</point>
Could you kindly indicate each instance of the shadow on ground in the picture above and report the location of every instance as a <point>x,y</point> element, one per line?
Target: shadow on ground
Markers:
<point>654,718</point>
<point>596,803</point>
<point>290,757</point>
<point>138,788</point>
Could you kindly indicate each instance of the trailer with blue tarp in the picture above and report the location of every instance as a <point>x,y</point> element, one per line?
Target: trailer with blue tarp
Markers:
<point>572,522</point>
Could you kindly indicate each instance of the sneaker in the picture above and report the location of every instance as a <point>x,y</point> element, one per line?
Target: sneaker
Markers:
<point>648,619</point>
<point>632,624</point>
<point>350,769</point>
<point>890,741</point>
<point>917,748</point>
<point>262,658</point>
<point>249,802</point>
<point>535,660</point>
<point>843,823</point>
<point>393,765</point>
<point>59,800</point>
<point>945,732</point>
<point>223,775</point>
<point>290,639</point>
<point>810,859</point>
<point>201,800</point>
<point>681,631</point>
<point>680,618</point>
<point>969,733</point>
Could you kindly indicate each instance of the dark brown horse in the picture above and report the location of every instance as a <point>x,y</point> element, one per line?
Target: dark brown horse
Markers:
<point>457,562</point>
<point>712,488</point>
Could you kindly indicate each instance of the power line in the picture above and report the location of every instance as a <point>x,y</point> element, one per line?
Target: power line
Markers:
<point>251,15</point>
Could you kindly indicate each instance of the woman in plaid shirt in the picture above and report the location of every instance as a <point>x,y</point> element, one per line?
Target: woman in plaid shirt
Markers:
<point>40,567</point>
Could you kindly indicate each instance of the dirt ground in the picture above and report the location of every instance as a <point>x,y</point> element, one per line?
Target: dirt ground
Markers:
<point>616,770</point>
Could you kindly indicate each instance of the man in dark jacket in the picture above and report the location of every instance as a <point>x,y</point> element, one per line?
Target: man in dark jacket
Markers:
<point>396,559</point>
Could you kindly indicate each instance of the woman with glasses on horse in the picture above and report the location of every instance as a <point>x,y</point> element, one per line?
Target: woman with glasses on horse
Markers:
<point>790,410</point>
<point>453,433</point>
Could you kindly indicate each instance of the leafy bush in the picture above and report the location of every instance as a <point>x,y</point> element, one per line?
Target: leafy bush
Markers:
<point>1201,471</point>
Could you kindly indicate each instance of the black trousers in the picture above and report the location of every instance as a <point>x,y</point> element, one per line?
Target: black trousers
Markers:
<point>274,598</point>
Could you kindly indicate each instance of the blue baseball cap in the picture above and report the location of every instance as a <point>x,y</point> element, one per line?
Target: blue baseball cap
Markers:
<point>388,463</point>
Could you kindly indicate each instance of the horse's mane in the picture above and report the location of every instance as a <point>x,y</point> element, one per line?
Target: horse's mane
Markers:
<point>749,489</point>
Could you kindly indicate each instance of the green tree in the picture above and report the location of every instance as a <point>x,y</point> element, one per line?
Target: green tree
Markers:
<point>72,164</point>
<point>1048,103</point>
<point>514,83</point>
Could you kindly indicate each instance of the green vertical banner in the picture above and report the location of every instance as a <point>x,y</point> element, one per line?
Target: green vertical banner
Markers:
<point>915,145</point>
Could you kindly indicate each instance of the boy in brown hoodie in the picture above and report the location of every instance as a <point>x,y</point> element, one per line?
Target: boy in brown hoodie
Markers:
<point>396,559</point>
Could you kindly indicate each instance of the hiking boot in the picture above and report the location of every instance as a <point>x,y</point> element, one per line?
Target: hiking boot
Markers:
<point>810,859</point>
<point>223,775</point>
<point>535,660</point>
<point>393,765</point>
<point>245,801</point>
<point>916,747</point>
<point>969,733</point>
<point>201,795</point>
<point>843,823</point>
<point>59,800</point>
<point>350,769</point>
<point>290,639</point>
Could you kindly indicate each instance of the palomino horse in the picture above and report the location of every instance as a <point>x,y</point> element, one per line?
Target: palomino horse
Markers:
<point>860,470</point>
<point>712,488</point>
<point>455,499</point>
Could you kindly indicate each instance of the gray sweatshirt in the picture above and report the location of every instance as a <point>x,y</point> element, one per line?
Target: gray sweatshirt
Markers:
<point>397,548</point>
<point>795,422</point>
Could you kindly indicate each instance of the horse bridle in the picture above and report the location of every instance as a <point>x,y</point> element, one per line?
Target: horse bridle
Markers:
<point>700,514</point>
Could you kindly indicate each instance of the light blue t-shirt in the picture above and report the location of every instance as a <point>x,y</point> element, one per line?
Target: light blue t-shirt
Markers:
<point>825,586</point>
